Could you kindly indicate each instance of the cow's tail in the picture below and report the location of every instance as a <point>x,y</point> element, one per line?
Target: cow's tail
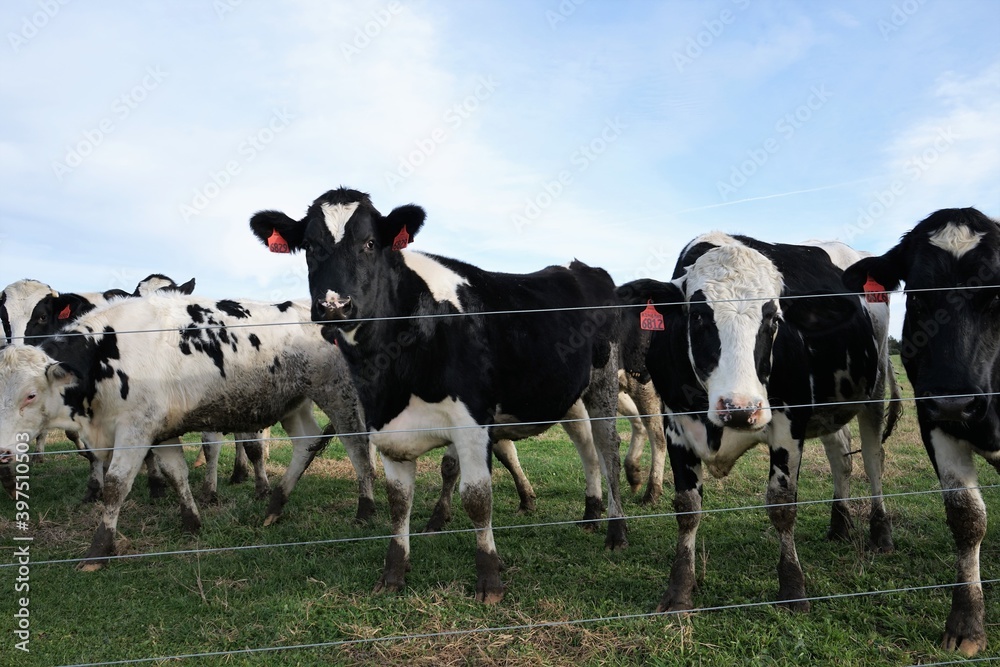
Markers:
<point>895,402</point>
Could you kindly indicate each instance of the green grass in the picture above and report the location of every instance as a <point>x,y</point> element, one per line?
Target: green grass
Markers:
<point>285,596</point>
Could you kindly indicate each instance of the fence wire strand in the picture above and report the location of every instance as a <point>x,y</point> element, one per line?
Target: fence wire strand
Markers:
<point>528,626</point>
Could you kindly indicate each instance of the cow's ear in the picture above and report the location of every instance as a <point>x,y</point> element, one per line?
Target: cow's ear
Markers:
<point>887,270</point>
<point>667,298</point>
<point>397,229</point>
<point>68,306</point>
<point>277,231</point>
<point>186,288</point>
<point>61,375</point>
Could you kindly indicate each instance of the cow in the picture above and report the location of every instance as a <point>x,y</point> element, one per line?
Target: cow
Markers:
<point>443,356</point>
<point>229,365</point>
<point>753,342</point>
<point>950,347</point>
<point>37,311</point>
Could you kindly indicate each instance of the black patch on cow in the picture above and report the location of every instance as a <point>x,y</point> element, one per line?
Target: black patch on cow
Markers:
<point>254,340</point>
<point>233,309</point>
<point>703,334</point>
<point>779,461</point>
<point>123,377</point>
<point>90,359</point>
<point>283,306</point>
<point>5,318</point>
<point>765,341</point>
<point>273,368</point>
<point>208,338</point>
<point>45,317</point>
<point>115,293</point>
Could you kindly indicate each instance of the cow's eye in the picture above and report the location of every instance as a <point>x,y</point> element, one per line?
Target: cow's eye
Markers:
<point>42,319</point>
<point>370,244</point>
<point>30,397</point>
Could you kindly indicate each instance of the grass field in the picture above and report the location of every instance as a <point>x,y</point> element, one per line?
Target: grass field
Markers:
<point>286,596</point>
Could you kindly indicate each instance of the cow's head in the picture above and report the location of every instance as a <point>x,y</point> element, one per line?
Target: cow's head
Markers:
<point>17,302</point>
<point>727,305</point>
<point>31,398</point>
<point>52,313</point>
<point>158,282</point>
<point>348,246</point>
<point>731,298</point>
<point>950,263</point>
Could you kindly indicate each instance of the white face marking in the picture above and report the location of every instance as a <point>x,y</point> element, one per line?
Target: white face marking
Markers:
<point>442,281</point>
<point>336,217</point>
<point>22,297</point>
<point>956,239</point>
<point>736,281</point>
<point>954,460</point>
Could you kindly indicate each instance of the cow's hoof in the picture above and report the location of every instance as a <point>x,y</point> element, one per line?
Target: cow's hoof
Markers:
<point>632,477</point>
<point>527,506</point>
<point>366,511</point>
<point>967,646</point>
<point>262,492</point>
<point>880,540</point>
<point>91,496</point>
<point>271,519</point>
<point>676,608</point>
<point>157,491</point>
<point>490,596</point>
<point>190,521</point>
<point>437,522</point>
<point>239,476</point>
<point>617,537</point>
<point>210,498</point>
<point>652,496</point>
<point>798,606</point>
<point>91,566</point>
<point>389,585</point>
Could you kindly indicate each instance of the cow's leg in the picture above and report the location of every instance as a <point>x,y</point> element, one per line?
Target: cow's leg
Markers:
<point>241,464</point>
<point>582,435</point>
<point>870,421</point>
<point>155,481</point>
<point>399,481</point>
<point>95,481</point>
<point>838,452</point>
<point>650,407</point>
<point>782,492</point>
<point>39,456</point>
<point>253,449</point>
<point>175,469</point>
<point>300,425</point>
<point>601,400</point>
<point>125,464</point>
<point>476,488</point>
<point>506,454</point>
<point>627,408</point>
<point>965,629</point>
<point>449,479</point>
<point>687,471</point>
<point>359,451</point>
<point>211,446</point>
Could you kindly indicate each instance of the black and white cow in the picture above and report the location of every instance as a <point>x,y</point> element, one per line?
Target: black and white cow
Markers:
<point>950,263</point>
<point>434,370</point>
<point>756,347</point>
<point>228,365</point>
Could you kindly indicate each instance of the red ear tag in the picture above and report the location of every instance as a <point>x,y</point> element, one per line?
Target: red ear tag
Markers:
<point>402,240</point>
<point>65,313</point>
<point>277,243</point>
<point>649,319</point>
<point>874,292</point>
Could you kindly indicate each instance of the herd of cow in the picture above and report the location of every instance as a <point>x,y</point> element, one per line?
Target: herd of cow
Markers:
<point>749,343</point>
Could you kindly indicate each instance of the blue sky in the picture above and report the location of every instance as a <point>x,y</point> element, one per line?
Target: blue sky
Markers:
<point>140,137</point>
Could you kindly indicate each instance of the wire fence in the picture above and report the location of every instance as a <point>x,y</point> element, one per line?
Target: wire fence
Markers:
<point>551,524</point>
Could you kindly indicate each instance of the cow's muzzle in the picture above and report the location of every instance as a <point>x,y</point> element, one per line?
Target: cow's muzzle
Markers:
<point>7,471</point>
<point>954,406</point>
<point>332,308</point>
<point>745,416</point>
